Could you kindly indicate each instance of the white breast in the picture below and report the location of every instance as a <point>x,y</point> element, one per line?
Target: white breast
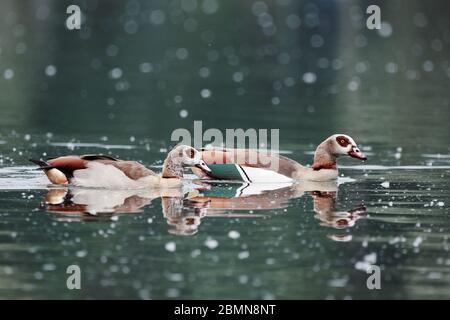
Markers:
<point>316,175</point>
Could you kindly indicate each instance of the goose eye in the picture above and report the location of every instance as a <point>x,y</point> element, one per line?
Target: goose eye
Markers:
<point>192,153</point>
<point>342,141</point>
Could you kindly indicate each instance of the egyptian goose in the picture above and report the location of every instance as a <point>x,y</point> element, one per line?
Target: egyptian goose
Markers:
<point>258,166</point>
<point>100,171</point>
<point>330,216</point>
<point>82,204</point>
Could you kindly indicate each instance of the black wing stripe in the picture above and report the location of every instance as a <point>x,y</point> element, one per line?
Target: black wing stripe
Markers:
<point>91,157</point>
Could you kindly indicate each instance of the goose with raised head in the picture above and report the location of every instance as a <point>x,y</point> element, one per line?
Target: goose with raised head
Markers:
<point>261,166</point>
<point>100,171</point>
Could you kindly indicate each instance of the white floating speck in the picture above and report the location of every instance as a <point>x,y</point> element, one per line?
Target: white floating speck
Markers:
<point>368,260</point>
<point>338,283</point>
<point>238,76</point>
<point>210,6</point>
<point>204,72</point>
<point>178,99</point>
<point>417,241</point>
<point>211,243</point>
<point>385,184</point>
<point>391,67</point>
<point>183,113</point>
<point>175,277</point>
<point>362,265</point>
<point>49,267</point>
<point>50,70</point>
<point>205,93</point>
<point>81,253</point>
<point>131,27</point>
<point>146,67</point>
<point>182,53</point>
<point>38,275</point>
<point>171,246</point>
<point>115,73</point>
<point>353,85</point>
<point>309,77</point>
<point>385,30</point>
<point>243,255</point>
<point>317,41</point>
<point>157,17</point>
<point>196,253</point>
<point>428,66</point>
<point>434,275</point>
<point>233,234</point>
<point>371,258</point>
<point>8,74</point>
<point>243,279</point>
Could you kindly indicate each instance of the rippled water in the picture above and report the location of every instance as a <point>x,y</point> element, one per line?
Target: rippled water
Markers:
<point>309,240</point>
<point>119,90</point>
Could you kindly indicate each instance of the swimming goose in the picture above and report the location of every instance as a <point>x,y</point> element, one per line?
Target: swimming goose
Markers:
<point>101,171</point>
<point>260,166</point>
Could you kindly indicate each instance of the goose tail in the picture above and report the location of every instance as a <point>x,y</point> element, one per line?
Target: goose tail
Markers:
<point>41,164</point>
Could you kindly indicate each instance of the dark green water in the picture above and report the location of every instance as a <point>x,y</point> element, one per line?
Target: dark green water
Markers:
<point>137,70</point>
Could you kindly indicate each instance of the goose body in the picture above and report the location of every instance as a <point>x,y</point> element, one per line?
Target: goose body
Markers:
<point>260,166</point>
<point>100,171</point>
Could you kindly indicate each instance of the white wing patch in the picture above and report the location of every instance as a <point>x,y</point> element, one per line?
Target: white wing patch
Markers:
<point>263,175</point>
<point>99,175</point>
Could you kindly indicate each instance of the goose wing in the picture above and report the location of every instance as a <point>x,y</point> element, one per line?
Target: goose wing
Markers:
<point>249,158</point>
<point>68,165</point>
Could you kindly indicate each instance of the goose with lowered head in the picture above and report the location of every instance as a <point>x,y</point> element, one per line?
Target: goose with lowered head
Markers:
<point>101,171</point>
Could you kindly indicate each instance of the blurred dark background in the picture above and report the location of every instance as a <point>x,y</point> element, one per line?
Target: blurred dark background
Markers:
<point>145,68</point>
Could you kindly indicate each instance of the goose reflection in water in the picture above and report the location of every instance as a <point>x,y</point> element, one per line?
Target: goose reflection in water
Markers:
<point>185,215</point>
<point>80,204</point>
<point>185,209</point>
<point>330,216</point>
<point>220,199</point>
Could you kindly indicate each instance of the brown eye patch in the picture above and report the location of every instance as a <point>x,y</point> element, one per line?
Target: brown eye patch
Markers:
<point>343,141</point>
<point>190,153</point>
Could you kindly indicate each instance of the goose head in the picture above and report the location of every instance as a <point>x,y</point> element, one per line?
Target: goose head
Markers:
<point>333,147</point>
<point>187,156</point>
<point>344,145</point>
